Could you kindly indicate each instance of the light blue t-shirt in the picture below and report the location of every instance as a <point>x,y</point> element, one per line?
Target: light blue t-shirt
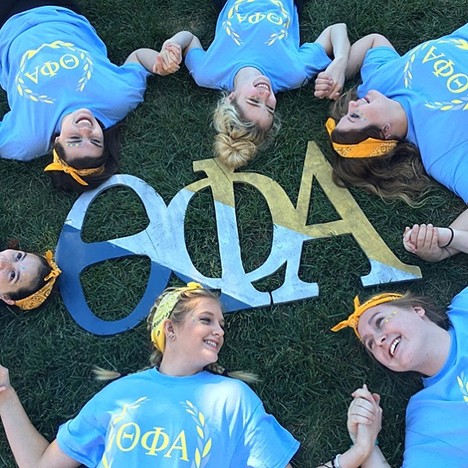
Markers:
<point>52,63</point>
<point>437,416</point>
<point>431,83</point>
<point>150,419</point>
<point>263,34</point>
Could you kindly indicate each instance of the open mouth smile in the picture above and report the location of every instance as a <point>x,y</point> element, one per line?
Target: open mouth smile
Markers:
<point>212,344</point>
<point>394,346</point>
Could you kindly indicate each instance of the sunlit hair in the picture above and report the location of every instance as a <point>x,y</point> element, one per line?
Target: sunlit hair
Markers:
<point>188,299</point>
<point>399,174</point>
<point>238,140</point>
<point>434,313</point>
<point>43,270</point>
<point>110,159</point>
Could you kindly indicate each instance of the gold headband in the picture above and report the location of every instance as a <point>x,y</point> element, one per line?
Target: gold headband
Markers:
<point>369,148</point>
<point>36,299</point>
<point>164,310</point>
<point>59,164</point>
<point>353,320</point>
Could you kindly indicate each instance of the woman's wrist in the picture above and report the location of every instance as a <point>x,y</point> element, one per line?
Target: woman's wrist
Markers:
<point>7,395</point>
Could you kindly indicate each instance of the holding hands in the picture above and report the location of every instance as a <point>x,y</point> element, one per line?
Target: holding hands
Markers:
<point>330,82</point>
<point>364,424</point>
<point>428,242</point>
<point>364,417</point>
<point>169,59</point>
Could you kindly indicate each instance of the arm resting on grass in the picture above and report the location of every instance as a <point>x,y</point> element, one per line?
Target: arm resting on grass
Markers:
<point>30,448</point>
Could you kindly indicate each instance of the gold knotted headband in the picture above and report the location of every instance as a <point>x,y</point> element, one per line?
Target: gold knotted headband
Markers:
<point>353,320</point>
<point>36,299</point>
<point>59,164</point>
<point>369,148</point>
<point>164,310</point>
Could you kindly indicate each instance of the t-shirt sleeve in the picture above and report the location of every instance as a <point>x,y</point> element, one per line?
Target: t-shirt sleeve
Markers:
<point>314,58</point>
<point>15,145</point>
<point>265,443</point>
<point>376,58</point>
<point>194,61</point>
<point>83,437</point>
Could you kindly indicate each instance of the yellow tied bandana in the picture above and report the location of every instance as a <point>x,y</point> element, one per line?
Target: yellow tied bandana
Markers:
<point>369,148</point>
<point>36,299</point>
<point>59,164</point>
<point>353,320</point>
<point>164,310</point>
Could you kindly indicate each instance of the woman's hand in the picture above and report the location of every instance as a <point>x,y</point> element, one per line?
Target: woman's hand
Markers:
<point>330,82</point>
<point>425,240</point>
<point>364,418</point>
<point>169,59</point>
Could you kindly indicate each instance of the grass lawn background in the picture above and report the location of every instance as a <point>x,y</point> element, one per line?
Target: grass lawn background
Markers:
<point>307,372</point>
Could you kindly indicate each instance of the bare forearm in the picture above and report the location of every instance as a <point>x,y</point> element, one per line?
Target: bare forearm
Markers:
<point>352,458</point>
<point>26,443</point>
<point>186,40</point>
<point>145,57</point>
<point>459,242</point>
<point>375,460</point>
<point>334,39</point>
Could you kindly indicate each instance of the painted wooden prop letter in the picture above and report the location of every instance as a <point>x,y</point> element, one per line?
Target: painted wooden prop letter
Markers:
<point>163,241</point>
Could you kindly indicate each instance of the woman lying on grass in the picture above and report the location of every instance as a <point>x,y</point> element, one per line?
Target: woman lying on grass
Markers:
<point>407,120</point>
<point>26,279</point>
<point>65,96</point>
<point>409,333</point>
<point>254,55</point>
<point>185,410</point>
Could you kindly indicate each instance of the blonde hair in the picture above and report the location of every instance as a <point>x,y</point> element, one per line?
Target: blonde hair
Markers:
<point>238,140</point>
<point>399,174</point>
<point>182,308</point>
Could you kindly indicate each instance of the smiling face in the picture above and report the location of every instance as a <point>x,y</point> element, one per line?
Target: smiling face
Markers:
<point>397,336</point>
<point>200,336</point>
<point>371,110</point>
<point>18,270</point>
<point>256,100</point>
<point>81,135</point>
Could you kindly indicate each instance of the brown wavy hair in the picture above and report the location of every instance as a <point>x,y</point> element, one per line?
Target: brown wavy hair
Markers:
<point>399,174</point>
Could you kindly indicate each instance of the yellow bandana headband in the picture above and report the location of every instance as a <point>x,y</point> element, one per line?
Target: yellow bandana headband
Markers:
<point>353,320</point>
<point>36,299</point>
<point>59,164</point>
<point>164,310</point>
<point>369,148</point>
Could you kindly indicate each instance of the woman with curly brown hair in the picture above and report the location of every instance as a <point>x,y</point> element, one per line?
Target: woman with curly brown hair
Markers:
<point>407,122</point>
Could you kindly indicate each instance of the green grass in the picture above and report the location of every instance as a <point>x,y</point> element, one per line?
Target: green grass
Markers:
<point>307,372</point>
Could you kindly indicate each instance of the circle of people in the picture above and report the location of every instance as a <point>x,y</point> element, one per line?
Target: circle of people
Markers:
<point>386,139</point>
